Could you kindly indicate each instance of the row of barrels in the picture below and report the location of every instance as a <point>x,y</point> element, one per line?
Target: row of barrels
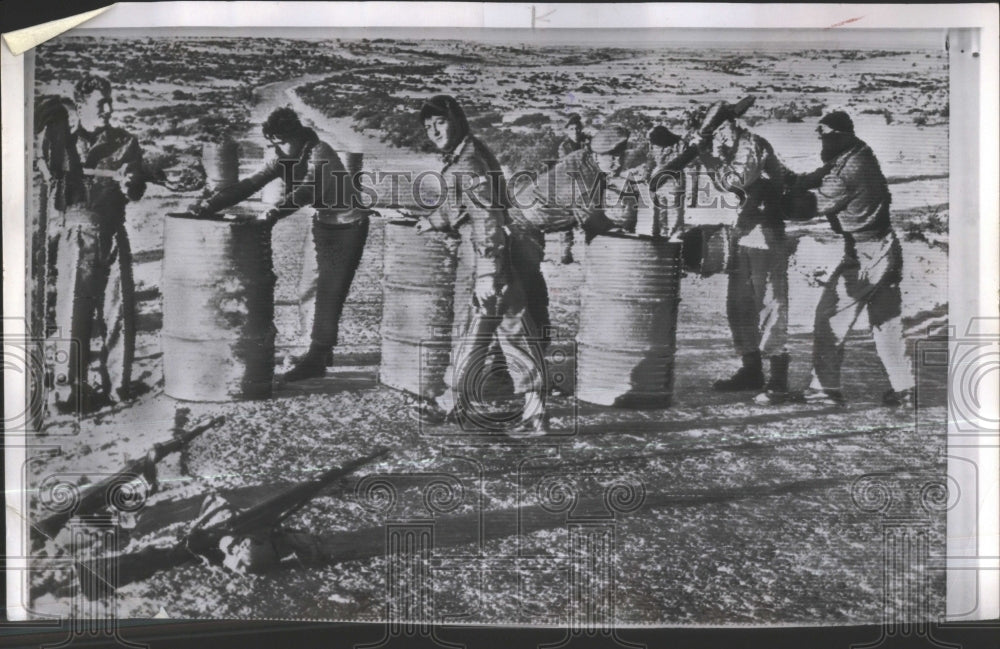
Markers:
<point>218,310</point>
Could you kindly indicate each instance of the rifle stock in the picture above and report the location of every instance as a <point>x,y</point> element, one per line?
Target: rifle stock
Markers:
<point>94,499</point>
<point>141,565</point>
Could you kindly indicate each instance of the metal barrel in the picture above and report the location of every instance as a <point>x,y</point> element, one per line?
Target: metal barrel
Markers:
<point>221,161</point>
<point>628,321</point>
<point>218,309</point>
<point>417,308</point>
<point>707,249</point>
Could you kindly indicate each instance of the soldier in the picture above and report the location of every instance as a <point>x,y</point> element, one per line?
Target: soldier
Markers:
<point>667,187</point>
<point>575,140</point>
<point>584,189</point>
<point>476,208</point>
<point>339,227</point>
<point>62,186</point>
<point>852,193</point>
<point>99,169</point>
<point>757,299</point>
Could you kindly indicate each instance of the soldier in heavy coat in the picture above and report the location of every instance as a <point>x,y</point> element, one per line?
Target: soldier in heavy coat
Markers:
<point>476,208</point>
<point>852,193</point>
<point>757,297</point>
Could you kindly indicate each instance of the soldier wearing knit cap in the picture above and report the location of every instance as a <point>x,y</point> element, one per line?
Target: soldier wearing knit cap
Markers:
<point>852,193</point>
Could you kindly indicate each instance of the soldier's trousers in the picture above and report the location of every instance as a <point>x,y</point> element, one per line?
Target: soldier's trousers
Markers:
<point>866,279</point>
<point>507,322</point>
<point>757,298</point>
<point>327,275</point>
<point>565,244</point>
<point>87,255</point>
<point>527,248</point>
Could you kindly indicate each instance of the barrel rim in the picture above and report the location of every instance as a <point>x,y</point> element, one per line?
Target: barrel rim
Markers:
<point>619,234</point>
<point>403,221</point>
<point>214,218</point>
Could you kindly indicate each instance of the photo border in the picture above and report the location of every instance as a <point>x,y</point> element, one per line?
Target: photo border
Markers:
<point>973,186</point>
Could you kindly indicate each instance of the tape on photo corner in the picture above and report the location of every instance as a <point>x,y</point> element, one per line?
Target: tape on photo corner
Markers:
<point>22,40</point>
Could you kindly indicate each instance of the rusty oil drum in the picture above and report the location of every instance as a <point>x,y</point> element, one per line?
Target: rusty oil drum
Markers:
<point>628,321</point>
<point>417,308</point>
<point>218,309</point>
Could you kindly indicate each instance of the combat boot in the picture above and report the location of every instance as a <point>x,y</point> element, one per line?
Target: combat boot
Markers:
<point>776,390</point>
<point>311,366</point>
<point>903,399</point>
<point>748,377</point>
<point>328,360</point>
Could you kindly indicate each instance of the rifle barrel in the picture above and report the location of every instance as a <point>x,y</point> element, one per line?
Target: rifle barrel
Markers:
<point>282,505</point>
<point>95,498</point>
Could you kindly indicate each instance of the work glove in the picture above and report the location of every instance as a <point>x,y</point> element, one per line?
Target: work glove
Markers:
<point>486,293</point>
<point>595,224</point>
<point>423,225</point>
<point>199,208</point>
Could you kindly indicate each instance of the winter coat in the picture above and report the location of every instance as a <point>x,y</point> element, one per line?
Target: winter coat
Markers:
<point>753,172</point>
<point>110,148</point>
<point>854,194</point>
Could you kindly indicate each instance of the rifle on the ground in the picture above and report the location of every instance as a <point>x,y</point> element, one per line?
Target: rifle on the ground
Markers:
<point>95,498</point>
<point>205,541</point>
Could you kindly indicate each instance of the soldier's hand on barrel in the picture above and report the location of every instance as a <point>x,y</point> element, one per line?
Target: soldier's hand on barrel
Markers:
<point>486,292</point>
<point>424,225</point>
<point>273,216</point>
<point>198,208</point>
<point>126,180</point>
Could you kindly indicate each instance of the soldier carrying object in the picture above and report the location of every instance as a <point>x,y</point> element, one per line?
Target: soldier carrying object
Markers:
<point>757,296</point>
<point>487,279</point>
<point>852,193</point>
<point>339,226</point>
<point>96,169</point>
